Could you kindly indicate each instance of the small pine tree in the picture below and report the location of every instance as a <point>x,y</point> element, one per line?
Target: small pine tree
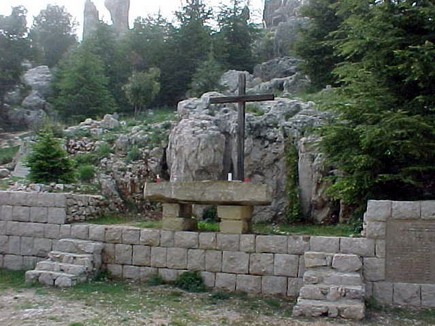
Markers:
<point>48,162</point>
<point>206,77</point>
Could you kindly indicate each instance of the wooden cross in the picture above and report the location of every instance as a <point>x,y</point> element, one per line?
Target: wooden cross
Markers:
<point>241,99</point>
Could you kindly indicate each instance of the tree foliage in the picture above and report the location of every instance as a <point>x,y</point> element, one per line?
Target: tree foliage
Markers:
<point>53,34</point>
<point>48,162</point>
<point>206,77</point>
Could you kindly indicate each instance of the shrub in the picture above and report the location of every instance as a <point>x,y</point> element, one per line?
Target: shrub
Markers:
<point>190,281</point>
<point>104,150</point>
<point>85,159</point>
<point>134,154</point>
<point>7,154</point>
<point>86,173</point>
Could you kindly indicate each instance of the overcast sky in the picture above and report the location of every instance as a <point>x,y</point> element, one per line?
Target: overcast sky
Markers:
<point>137,8</point>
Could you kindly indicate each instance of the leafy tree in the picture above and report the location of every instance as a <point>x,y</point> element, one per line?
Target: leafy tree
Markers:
<point>48,162</point>
<point>384,138</point>
<point>81,87</point>
<point>235,39</point>
<point>206,77</point>
<point>14,48</point>
<point>142,88</point>
<point>53,33</point>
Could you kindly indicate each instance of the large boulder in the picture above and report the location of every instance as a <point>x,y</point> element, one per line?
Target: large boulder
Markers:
<point>91,19</point>
<point>39,79</point>
<point>203,144</point>
<point>34,101</point>
<point>277,68</point>
<point>119,12</point>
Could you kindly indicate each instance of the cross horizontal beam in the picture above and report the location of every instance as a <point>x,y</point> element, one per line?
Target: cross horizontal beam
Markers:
<point>242,98</point>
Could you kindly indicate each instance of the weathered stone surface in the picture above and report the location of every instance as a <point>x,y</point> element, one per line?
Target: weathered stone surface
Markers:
<point>109,253</point>
<point>294,287</point>
<point>346,263</point>
<point>428,210</point>
<point>158,257</point>
<point>39,214</point>
<point>113,234</point>
<point>14,244</point>
<point>131,236</point>
<point>91,19</point>
<point>374,269</point>
<point>114,270</point>
<point>358,246</point>
<point>39,79</point>
<point>225,281</point>
<point>97,232</point>
<point>167,238</point>
<point>213,261</point>
<point>274,285</point>
<point>298,244</point>
<point>177,258</point>
<point>42,247</point>
<point>123,254</point>
<point>186,240</point>
<point>207,241</point>
<point>176,210</point>
<point>65,232</point>
<point>80,231</point>
<point>286,265</point>
<point>273,244</point>
<point>235,262</point>
<point>6,212</point>
<point>378,210</point>
<point>21,213</point>
<point>261,264</point>
<point>26,246</point>
<point>209,192</point>
<point>147,272</point>
<point>233,226</point>
<point>406,294</point>
<point>428,295</point>
<point>380,248</point>
<point>247,242</point>
<point>13,262</point>
<point>325,244</point>
<point>375,230</point>
<point>168,275</point>
<point>228,242</point>
<point>56,215</point>
<point>131,272</point>
<point>234,212</point>
<point>196,260</point>
<point>406,210</point>
<point>141,255</point>
<point>119,12</point>
<point>179,224</point>
<point>317,259</point>
<point>248,283</point>
<point>150,237</point>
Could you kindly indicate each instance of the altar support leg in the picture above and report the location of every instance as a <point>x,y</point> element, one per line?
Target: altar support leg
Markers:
<point>178,217</point>
<point>235,219</point>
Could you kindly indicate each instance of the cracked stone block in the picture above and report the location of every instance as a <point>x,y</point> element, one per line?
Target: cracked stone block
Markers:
<point>317,259</point>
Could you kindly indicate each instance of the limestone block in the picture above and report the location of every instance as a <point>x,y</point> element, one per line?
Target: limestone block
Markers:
<point>177,258</point>
<point>141,255</point>
<point>406,294</point>
<point>6,212</point>
<point>261,264</point>
<point>374,269</point>
<point>186,240</point>
<point>131,272</point>
<point>358,246</point>
<point>3,227</point>
<point>113,234</point>
<point>14,245</point>
<point>301,270</point>
<point>235,212</point>
<point>378,210</point>
<point>176,210</point>
<point>21,213</point>
<point>298,244</point>
<point>4,239</point>
<point>234,226</point>
<point>428,295</point>
<point>42,247</point>
<point>18,198</point>
<point>368,287</point>
<point>80,231</point>
<point>213,261</point>
<point>276,244</point>
<point>123,254</point>
<point>286,265</point>
<point>226,281</point>
<point>150,237</point>
<point>97,232</point>
<point>406,210</point>
<point>248,283</point>
<point>375,230</point>
<point>51,231</point>
<point>4,198</point>
<point>167,238</point>
<point>108,253</point>
<point>179,224</point>
<point>114,270</point>
<point>380,248</point>
<point>131,236</point>
<point>209,279</point>
<point>338,278</point>
<point>168,275</point>
<point>39,214</point>
<point>325,244</point>
<point>317,259</point>
<point>56,215</point>
<point>274,285</point>
<point>235,262</point>
<point>14,228</point>
<point>247,242</point>
<point>207,240</point>
<point>228,242</point>
<point>428,210</point>
<point>196,260</point>
<point>38,199</point>
<point>146,273</point>
<point>59,200</point>
<point>29,263</point>
<point>346,263</point>
<point>312,292</point>
<point>26,246</point>
<point>158,257</point>
<point>294,287</point>
<point>65,231</point>
<point>33,229</point>
<point>13,262</point>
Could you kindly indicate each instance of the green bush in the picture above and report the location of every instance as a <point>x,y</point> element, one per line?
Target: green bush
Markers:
<point>134,154</point>
<point>209,214</point>
<point>190,281</point>
<point>86,173</point>
<point>104,150</point>
<point>7,154</point>
<point>85,159</point>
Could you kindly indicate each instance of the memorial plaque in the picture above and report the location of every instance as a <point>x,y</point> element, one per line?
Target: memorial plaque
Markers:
<point>410,251</point>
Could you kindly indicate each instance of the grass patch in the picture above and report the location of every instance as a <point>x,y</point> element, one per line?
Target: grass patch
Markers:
<point>11,279</point>
<point>111,219</point>
<point>149,224</point>
<point>7,154</point>
<point>339,230</point>
<point>208,226</point>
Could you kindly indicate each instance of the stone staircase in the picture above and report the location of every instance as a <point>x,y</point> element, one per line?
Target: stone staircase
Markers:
<point>333,287</point>
<point>73,261</point>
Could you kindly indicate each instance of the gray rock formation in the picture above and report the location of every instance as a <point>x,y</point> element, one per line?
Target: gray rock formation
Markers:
<point>91,19</point>
<point>39,79</point>
<point>202,144</point>
<point>119,11</point>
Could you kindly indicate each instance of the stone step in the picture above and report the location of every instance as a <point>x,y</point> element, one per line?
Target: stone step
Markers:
<point>79,246</point>
<point>52,266</point>
<point>332,277</point>
<point>71,258</point>
<point>348,309</point>
<point>54,278</point>
<point>332,292</point>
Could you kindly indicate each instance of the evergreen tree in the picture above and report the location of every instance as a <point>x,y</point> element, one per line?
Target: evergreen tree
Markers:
<point>206,77</point>
<point>48,162</point>
<point>53,34</point>
<point>81,87</point>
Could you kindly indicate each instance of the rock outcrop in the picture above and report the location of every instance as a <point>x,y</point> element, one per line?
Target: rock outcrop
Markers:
<point>119,11</point>
<point>91,19</point>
